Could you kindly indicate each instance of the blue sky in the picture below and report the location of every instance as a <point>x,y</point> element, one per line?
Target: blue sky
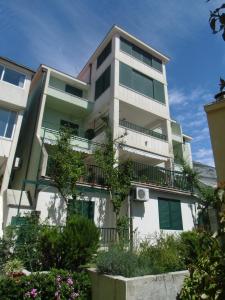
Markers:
<point>64,33</point>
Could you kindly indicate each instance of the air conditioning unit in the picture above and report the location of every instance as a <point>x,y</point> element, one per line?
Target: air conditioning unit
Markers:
<point>142,194</point>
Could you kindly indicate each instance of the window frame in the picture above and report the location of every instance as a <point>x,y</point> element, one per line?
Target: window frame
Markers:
<point>6,128</point>
<point>3,73</point>
<point>144,54</point>
<point>97,81</point>
<point>146,76</point>
<point>104,52</point>
<point>171,227</point>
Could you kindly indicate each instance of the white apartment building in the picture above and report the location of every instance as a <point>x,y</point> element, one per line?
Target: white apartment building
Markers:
<point>125,80</point>
<point>15,82</point>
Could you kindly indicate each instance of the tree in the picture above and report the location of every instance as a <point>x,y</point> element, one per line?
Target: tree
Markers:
<point>117,176</point>
<point>217,24</point>
<point>217,20</point>
<point>67,165</point>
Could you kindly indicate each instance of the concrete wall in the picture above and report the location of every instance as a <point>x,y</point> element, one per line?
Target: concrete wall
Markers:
<point>146,214</point>
<point>150,287</point>
<point>216,121</point>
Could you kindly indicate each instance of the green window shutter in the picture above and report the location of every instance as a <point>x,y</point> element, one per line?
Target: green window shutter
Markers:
<point>125,46</point>
<point>82,208</point>
<point>159,93</point>
<point>147,59</point>
<point>142,84</point>
<point>140,54</point>
<point>175,215</point>
<point>125,75</point>
<point>137,53</point>
<point>164,214</point>
<point>170,216</point>
<point>157,64</point>
<point>104,54</point>
<point>103,82</point>
<point>178,152</point>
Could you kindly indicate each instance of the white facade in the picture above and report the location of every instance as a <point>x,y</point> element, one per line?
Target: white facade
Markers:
<point>14,88</point>
<point>137,107</point>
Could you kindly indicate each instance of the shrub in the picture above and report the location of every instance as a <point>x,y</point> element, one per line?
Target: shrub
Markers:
<point>206,279</point>
<point>191,246</point>
<point>163,255</point>
<point>79,242</point>
<point>119,261</point>
<point>57,284</point>
<point>50,247</point>
<point>153,258</point>
<point>12,266</point>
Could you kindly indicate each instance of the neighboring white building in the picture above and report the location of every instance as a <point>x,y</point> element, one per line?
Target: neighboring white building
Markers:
<point>15,82</point>
<point>125,80</point>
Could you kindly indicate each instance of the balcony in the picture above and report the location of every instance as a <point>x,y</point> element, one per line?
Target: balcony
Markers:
<point>160,177</point>
<point>146,140</point>
<point>79,143</point>
<point>142,173</point>
<point>146,131</point>
<point>61,95</point>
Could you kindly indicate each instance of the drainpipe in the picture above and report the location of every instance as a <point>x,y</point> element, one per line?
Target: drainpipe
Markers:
<point>130,212</point>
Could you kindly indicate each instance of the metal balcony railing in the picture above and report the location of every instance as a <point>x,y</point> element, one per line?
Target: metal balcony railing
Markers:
<point>138,128</point>
<point>160,176</point>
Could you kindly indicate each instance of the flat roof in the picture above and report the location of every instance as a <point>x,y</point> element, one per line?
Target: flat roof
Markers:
<point>17,64</point>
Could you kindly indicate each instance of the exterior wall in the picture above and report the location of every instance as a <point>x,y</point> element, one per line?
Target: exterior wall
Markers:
<point>54,210</point>
<point>216,121</point>
<point>12,98</point>
<point>144,142</point>
<point>146,214</point>
<point>150,287</point>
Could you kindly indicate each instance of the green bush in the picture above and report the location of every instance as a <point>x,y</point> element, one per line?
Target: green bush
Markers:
<point>50,247</point>
<point>79,242</point>
<point>119,261</point>
<point>153,258</point>
<point>191,246</point>
<point>163,255</point>
<point>69,247</point>
<point>206,279</point>
<point>14,265</point>
<point>57,284</point>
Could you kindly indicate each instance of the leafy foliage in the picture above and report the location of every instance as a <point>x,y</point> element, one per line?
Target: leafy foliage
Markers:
<point>217,20</point>
<point>207,272</point>
<point>57,284</point>
<point>14,265</point>
<point>67,165</point>
<point>117,176</point>
<point>41,247</point>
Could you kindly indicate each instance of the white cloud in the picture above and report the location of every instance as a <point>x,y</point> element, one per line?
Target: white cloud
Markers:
<point>204,155</point>
<point>198,94</point>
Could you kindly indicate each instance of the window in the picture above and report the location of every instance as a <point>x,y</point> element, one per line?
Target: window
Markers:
<point>102,83</point>
<point>13,77</point>
<point>141,83</point>
<point>1,71</point>
<point>7,122</point>
<point>140,54</point>
<point>178,152</point>
<point>81,207</point>
<point>170,217</point>
<point>73,127</point>
<point>73,90</point>
<point>104,54</point>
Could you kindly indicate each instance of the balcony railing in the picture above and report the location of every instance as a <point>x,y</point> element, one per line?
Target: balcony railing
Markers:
<point>137,128</point>
<point>160,176</point>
